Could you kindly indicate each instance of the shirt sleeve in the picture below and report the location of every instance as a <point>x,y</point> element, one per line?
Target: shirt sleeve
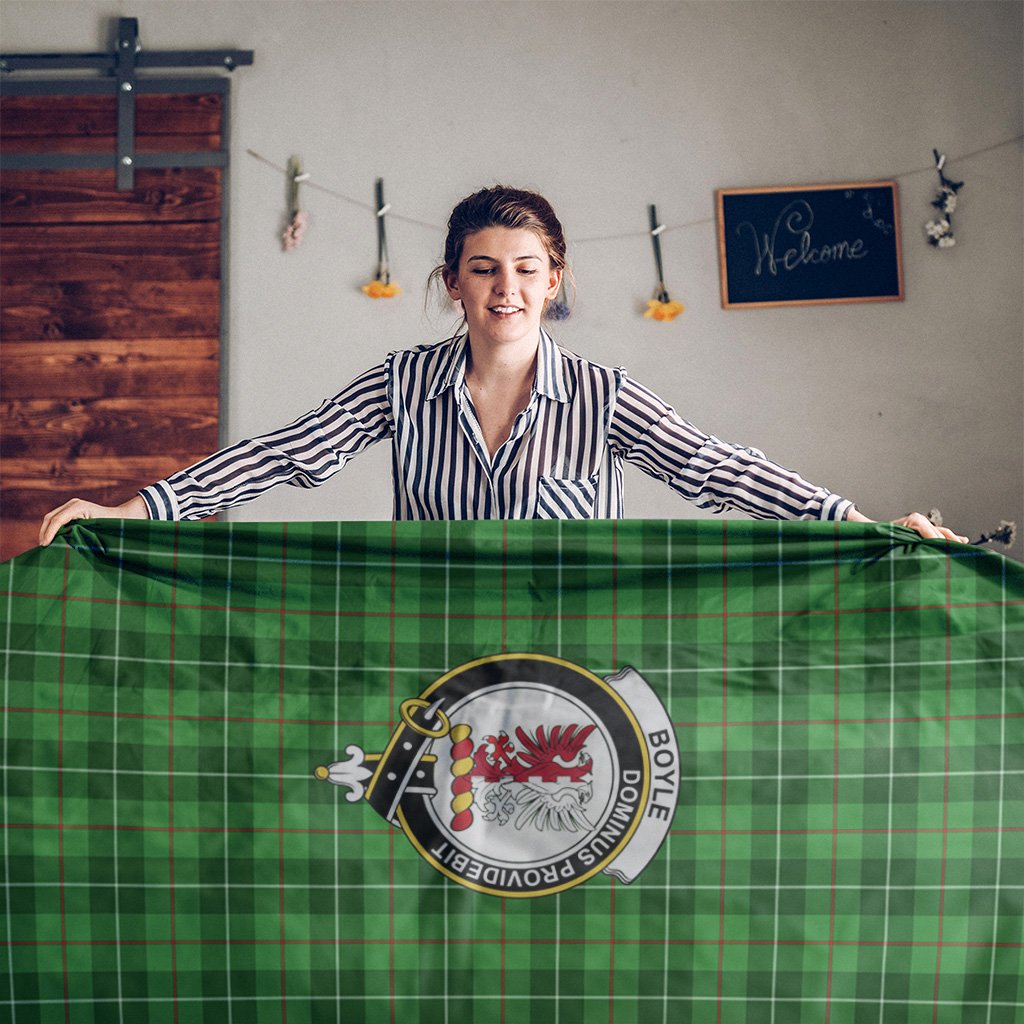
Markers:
<point>304,454</point>
<point>713,474</point>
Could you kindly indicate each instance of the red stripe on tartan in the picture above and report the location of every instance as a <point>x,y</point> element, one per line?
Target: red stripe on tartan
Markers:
<point>484,941</point>
<point>835,778</point>
<point>280,765</point>
<point>725,774</point>
<point>391,838</point>
<point>709,724</point>
<point>647,616</point>
<point>60,789</point>
<point>391,630</point>
<point>170,771</point>
<point>615,597</point>
<point>219,829</point>
<point>945,792</point>
<point>504,649</point>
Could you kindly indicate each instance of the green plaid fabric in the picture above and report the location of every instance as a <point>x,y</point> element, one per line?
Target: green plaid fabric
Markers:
<point>847,846</point>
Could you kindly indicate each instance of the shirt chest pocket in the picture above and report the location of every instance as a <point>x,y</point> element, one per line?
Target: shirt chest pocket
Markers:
<point>566,498</point>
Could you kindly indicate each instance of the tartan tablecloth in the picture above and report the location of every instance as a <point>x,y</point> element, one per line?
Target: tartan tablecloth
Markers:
<point>839,739</point>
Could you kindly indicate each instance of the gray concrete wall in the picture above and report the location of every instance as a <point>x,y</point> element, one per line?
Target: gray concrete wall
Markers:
<point>606,107</point>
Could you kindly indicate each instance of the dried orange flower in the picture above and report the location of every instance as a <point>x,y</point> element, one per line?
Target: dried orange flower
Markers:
<point>657,310</point>
<point>379,290</point>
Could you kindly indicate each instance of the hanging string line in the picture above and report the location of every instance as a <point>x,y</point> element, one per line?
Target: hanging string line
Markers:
<point>313,184</point>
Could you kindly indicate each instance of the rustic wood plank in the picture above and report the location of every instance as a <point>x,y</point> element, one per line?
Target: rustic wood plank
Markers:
<point>30,487</point>
<point>17,536</point>
<point>110,252</point>
<point>108,144</point>
<point>92,309</point>
<point>73,428</point>
<point>60,197</point>
<point>85,116</point>
<point>110,369</point>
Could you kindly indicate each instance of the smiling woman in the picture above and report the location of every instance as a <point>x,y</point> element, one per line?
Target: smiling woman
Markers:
<point>504,281</point>
<point>496,422</point>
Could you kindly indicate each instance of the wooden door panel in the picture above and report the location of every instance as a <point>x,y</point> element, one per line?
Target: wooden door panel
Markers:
<point>53,428</point>
<point>110,252</point>
<point>47,118</point>
<point>83,196</point>
<point>86,310</point>
<point>111,305</point>
<point>101,144</point>
<point>111,369</point>
<point>29,484</point>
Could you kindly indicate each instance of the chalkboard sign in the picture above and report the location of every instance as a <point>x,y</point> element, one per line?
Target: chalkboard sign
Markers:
<point>810,244</point>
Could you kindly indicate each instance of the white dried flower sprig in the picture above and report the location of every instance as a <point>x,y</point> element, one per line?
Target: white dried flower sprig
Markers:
<point>940,231</point>
<point>1005,533</point>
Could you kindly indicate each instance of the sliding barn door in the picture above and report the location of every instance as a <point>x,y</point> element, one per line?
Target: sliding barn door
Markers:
<point>111,300</point>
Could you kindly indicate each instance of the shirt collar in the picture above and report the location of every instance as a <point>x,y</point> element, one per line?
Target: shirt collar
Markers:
<point>551,372</point>
<point>550,379</point>
<point>452,368</point>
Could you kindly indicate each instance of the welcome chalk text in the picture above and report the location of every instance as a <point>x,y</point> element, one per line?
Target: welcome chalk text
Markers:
<point>796,220</point>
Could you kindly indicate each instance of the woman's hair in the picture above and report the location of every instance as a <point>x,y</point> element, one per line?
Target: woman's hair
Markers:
<point>501,207</point>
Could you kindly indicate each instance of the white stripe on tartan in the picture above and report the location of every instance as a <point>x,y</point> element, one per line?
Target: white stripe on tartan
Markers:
<point>593,883</point>
<point>227,794</point>
<point>667,854</point>
<point>447,659</point>
<point>7,831</point>
<point>558,895</point>
<point>117,855</point>
<point>966,773</point>
<point>337,748</point>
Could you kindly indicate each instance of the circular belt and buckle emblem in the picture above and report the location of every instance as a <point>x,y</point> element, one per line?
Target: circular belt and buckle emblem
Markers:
<point>523,775</point>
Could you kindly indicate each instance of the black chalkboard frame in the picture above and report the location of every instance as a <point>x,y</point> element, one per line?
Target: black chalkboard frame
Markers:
<point>893,293</point>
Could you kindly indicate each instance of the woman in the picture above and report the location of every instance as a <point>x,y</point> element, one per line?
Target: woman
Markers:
<point>497,422</point>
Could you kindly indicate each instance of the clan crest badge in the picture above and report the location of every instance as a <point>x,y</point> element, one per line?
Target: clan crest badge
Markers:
<point>524,775</point>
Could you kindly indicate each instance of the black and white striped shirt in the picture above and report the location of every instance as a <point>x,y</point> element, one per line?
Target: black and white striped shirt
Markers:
<point>562,459</point>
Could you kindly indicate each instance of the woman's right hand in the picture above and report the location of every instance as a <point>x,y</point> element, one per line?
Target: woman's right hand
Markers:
<point>76,508</point>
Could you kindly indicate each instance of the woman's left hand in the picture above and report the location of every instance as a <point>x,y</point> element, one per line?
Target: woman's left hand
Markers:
<point>918,522</point>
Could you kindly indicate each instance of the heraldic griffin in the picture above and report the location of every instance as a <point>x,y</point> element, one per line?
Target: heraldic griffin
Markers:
<point>546,784</point>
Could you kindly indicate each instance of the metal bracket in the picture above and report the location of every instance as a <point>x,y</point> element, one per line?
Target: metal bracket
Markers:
<point>123,65</point>
<point>128,46</point>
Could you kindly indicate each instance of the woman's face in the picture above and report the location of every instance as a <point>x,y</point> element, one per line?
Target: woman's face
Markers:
<point>504,279</point>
